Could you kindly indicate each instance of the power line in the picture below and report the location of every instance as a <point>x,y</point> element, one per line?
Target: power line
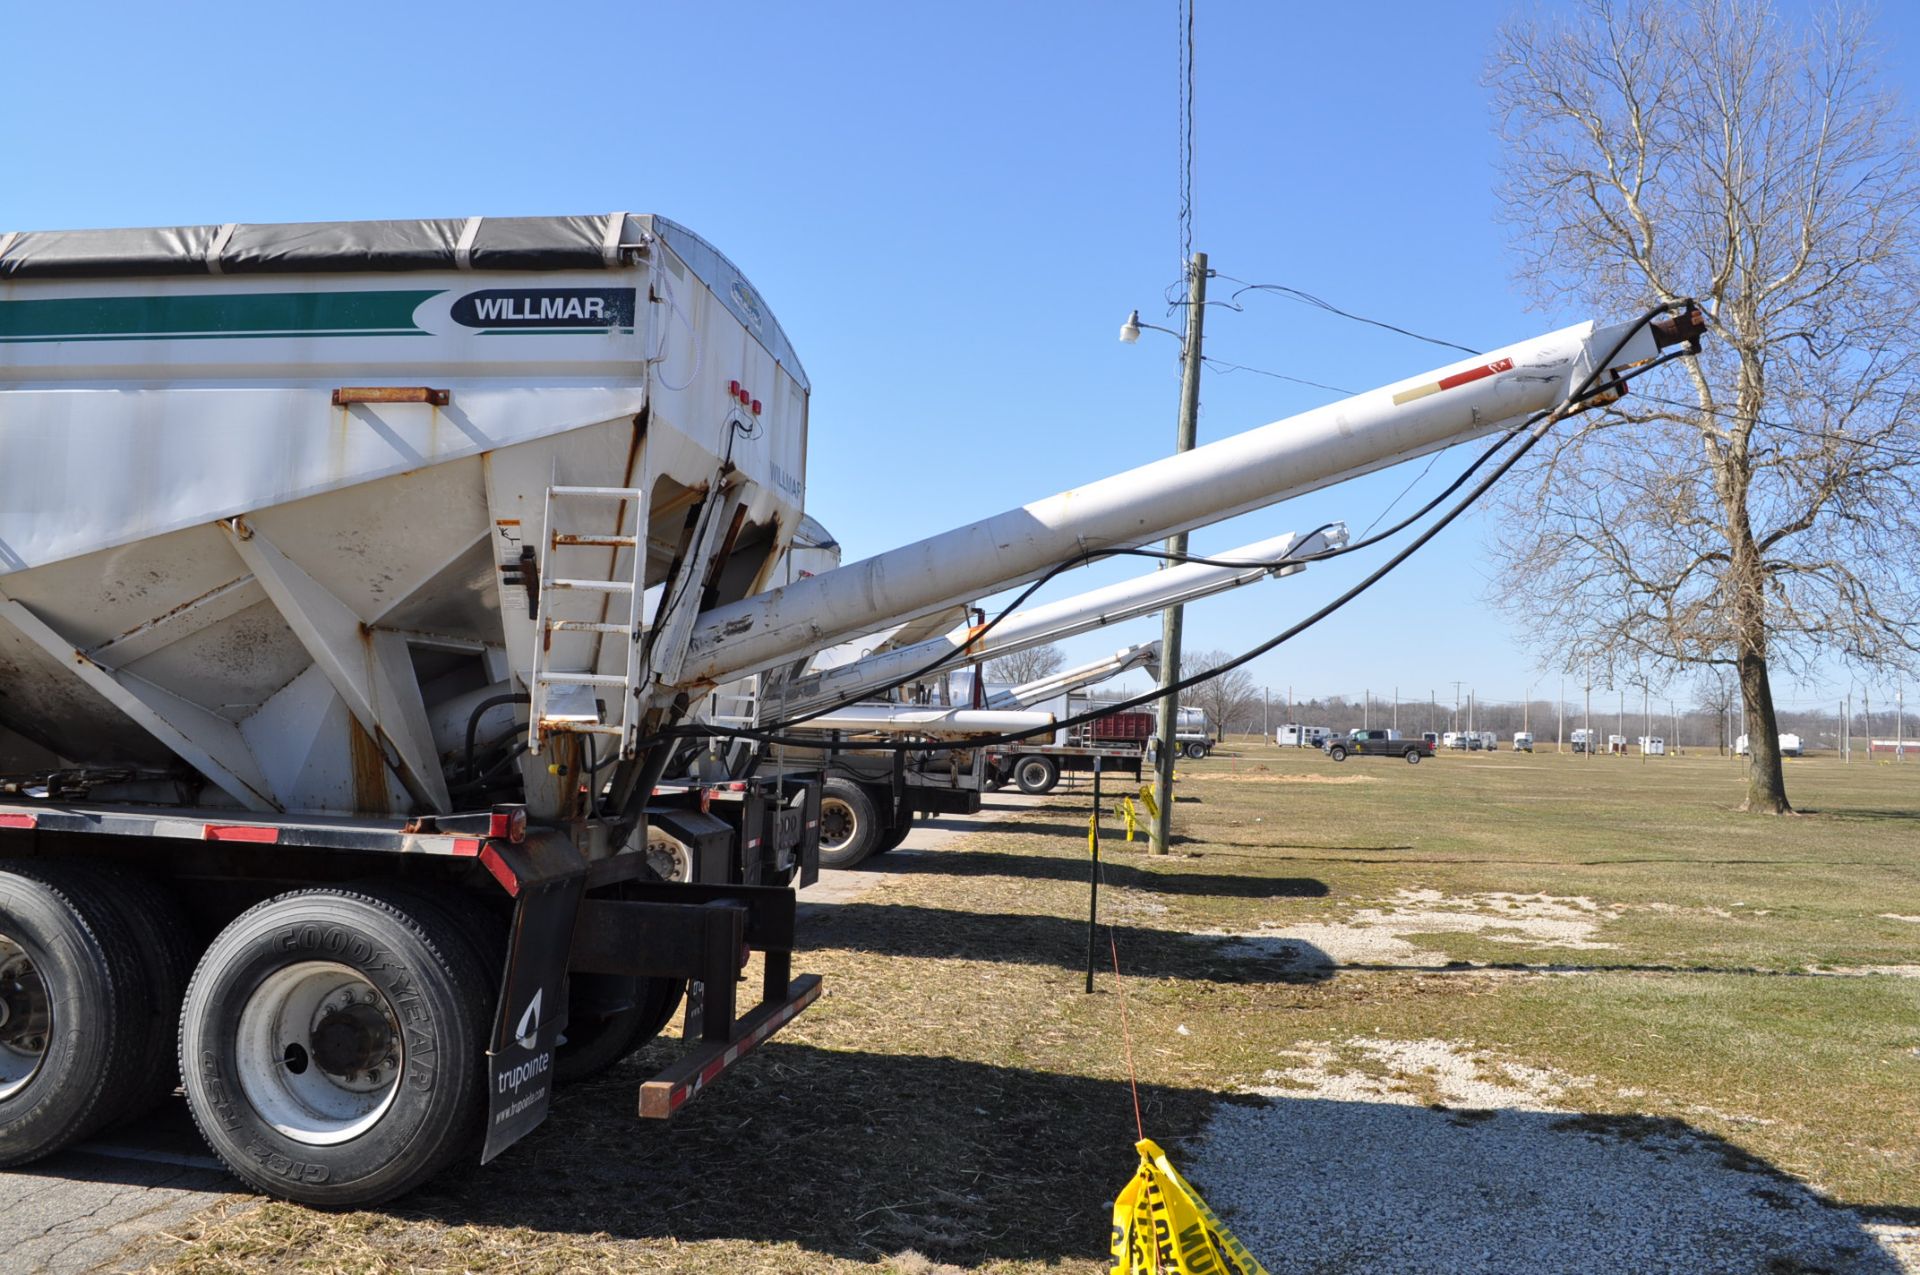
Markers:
<point>1835,435</point>
<point>1221,365</point>
<point>1183,38</point>
<point>1320,303</point>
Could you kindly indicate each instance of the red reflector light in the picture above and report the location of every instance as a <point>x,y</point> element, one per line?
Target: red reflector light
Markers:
<point>756,407</point>
<point>240,832</point>
<point>733,388</point>
<point>507,824</point>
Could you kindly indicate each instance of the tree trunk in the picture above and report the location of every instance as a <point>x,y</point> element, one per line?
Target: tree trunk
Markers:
<point>1766,780</point>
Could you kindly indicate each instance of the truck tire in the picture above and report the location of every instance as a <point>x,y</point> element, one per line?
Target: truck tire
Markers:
<point>1337,752</point>
<point>849,824</point>
<point>609,1016</point>
<point>333,1044</point>
<point>1196,750</point>
<point>76,1011</point>
<point>163,937</point>
<point>598,1038</point>
<point>1413,757</point>
<point>896,834</point>
<point>1036,775</point>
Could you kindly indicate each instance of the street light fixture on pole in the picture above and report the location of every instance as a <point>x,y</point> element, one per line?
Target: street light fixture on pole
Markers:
<point>1170,629</point>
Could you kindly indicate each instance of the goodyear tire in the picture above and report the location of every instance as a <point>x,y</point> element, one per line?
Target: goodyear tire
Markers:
<point>74,1014</point>
<point>1413,757</point>
<point>1196,750</point>
<point>333,1045</point>
<point>1036,775</point>
<point>849,824</point>
<point>1337,753</point>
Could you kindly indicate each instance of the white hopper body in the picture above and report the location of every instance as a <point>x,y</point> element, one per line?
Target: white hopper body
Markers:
<point>206,556</point>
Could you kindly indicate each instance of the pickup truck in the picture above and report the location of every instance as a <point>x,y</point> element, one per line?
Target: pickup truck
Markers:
<point>1378,743</point>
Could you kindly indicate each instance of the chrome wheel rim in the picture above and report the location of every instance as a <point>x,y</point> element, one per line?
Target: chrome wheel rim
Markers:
<point>320,1052</point>
<point>26,1019</point>
<point>837,824</point>
<point>668,857</point>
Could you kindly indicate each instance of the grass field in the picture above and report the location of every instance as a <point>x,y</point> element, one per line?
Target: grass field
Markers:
<point>957,1100</point>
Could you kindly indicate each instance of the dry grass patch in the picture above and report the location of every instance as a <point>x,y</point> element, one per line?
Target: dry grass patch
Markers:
<point>957,1102</point>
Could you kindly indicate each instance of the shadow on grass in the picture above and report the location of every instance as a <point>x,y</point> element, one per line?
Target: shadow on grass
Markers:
<point>900,929</point>
<point>984,863</point>
<point>851,1153</point>
<point>1112,832</point>
<point>1854,814</point>
<point>860,1155</point>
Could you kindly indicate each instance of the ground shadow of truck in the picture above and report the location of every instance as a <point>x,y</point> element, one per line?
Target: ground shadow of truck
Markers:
<point>996,863</point>
<point>862,1155</point>
<point>909,930</point>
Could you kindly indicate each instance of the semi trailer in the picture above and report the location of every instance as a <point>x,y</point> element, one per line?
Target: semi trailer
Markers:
<point>360,587</point>
<point>872,797</point>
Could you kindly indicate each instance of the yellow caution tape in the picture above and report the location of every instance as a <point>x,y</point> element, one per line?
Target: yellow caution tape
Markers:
<point>1161,1226</point>
<point>1093,833</point>
<point>1146,795</point>
<point>1128,813</point>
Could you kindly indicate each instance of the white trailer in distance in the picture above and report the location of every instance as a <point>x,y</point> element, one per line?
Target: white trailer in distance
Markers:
<point>290,515</point>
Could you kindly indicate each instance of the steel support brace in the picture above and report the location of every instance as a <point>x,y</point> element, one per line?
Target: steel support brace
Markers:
<point>368,668</point>
<point>210,743</point>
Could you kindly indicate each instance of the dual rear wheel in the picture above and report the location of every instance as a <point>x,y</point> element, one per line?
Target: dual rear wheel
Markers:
<point>331,1042</point>
<point>88,988</point>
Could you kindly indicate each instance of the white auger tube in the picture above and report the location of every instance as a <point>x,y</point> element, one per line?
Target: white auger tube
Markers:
<point>1042,689</point>
<point>933,722</point>
<point>1208,484</point>
<point>1053,621</point>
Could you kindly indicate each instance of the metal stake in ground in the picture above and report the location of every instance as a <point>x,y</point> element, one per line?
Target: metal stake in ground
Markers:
<point>1093,872</point>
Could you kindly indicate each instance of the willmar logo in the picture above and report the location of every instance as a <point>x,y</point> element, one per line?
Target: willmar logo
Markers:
<point>497,309</point>
<point>749,304</point>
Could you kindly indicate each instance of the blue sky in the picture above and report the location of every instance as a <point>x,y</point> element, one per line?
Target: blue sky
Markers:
<point>951,208</point>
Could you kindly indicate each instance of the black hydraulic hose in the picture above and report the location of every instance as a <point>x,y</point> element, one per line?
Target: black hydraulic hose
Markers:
<point>480,710</point>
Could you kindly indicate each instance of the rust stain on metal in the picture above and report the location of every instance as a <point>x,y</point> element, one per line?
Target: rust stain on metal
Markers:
<point>347,395</point>
<point>170,612</point>
<point>369,770</point>
<point>686,496</point>
<point>974,633</point>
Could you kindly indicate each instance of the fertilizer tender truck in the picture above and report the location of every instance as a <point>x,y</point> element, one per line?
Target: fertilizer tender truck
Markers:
<point>360,584</point>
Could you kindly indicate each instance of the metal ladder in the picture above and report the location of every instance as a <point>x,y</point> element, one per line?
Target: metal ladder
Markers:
<point>563,700</point>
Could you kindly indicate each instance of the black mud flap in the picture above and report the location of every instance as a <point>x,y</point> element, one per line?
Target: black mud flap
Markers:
<point>532,1013</point>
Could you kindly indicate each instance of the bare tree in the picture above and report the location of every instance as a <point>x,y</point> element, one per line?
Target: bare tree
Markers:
<point>1716,693</point>
<point>1225,698</point>
<point>1026,666</point>
<point>1756,511</point>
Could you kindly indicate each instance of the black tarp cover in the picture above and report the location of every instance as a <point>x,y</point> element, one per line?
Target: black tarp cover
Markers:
<point>321,247</point>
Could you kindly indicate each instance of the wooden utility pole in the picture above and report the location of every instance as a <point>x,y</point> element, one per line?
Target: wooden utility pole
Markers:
<point>1170,624</point>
